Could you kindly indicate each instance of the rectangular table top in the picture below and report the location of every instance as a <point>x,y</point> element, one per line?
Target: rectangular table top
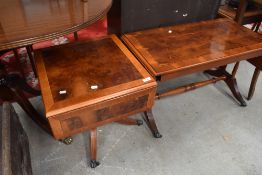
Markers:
<point>84,73</point>
<point>188,48</point>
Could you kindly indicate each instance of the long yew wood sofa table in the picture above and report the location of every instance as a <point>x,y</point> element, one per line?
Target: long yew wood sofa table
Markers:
<point>89,84</point>
<point>174,51</point>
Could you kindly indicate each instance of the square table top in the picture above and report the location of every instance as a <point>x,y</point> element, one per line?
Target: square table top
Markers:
<point>188,48</point>
<point>79,74</point>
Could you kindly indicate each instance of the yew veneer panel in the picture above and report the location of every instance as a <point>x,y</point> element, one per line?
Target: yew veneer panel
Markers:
<point>183,49</point>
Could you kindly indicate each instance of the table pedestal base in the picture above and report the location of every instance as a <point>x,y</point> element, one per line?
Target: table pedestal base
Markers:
<point>93,134</point>
<point>219,74</point>
<point>230,81</point>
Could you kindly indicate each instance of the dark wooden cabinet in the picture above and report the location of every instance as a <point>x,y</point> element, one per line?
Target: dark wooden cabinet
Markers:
<point>134,15</point>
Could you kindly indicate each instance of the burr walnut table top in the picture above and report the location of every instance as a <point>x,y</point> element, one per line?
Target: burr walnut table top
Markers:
<point>80,74</point>
<point>183,49</point>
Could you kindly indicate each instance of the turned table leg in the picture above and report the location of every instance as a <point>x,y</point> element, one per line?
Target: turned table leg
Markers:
<point>93,148</point>
<point>149,118</point>
<point>253,84</point>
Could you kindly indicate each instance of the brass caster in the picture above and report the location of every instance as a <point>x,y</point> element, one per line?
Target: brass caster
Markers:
<point>68,140</point>
<point>139,122</point>
<point>94,163</point>
<point>157,135</point>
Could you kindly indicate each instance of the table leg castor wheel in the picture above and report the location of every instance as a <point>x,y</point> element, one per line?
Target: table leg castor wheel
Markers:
<point>157,135</point>
<point>139,122</point>
<point>94,163</point>
<point>68,140</point>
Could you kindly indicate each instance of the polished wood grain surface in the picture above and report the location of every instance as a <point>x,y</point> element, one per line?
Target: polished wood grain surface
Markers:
<point>87,72</point>
<point>88,67</point>
<point>25,22</point>
<point>183,49</point>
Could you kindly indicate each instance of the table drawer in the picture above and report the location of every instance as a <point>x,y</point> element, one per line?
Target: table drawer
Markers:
<point>99,114</point>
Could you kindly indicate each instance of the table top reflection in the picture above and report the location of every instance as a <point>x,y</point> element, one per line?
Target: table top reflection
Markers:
<point>25,22</point>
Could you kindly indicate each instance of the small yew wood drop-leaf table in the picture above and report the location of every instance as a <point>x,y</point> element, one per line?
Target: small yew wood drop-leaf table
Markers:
<point>89,84</point>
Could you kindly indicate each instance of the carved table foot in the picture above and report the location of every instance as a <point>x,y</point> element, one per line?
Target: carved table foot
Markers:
<point>231,82</point>
<point>149,118</point>
<point>93,148</point>
<point>129,121</point>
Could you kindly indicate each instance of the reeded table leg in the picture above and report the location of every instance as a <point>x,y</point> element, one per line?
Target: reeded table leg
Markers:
<point>149,118</point>
<point>93,147</point>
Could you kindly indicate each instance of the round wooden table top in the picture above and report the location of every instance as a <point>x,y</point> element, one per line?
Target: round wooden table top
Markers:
<point>25,22</point>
